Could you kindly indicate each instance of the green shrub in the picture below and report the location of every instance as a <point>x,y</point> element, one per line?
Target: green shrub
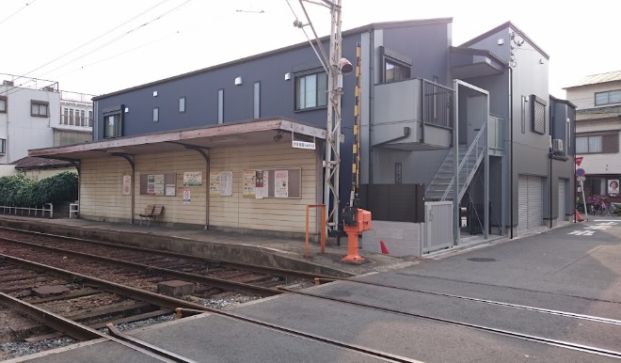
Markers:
<point>19,191</point>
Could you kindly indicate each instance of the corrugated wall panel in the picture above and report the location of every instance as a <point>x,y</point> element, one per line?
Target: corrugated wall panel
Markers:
<point>101,190</point>
<point>101,181</point>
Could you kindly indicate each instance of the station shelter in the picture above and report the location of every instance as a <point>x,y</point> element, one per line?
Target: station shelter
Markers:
<point>247,176</point>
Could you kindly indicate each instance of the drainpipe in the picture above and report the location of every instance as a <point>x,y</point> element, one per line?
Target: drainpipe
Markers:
<point>574,166</point>
<point>371,98</point>
<point>511,151</point>
<point>550,196</point>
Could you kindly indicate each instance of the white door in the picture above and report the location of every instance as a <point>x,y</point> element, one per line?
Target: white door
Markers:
<point>561,199</point>
<point>530,197</point>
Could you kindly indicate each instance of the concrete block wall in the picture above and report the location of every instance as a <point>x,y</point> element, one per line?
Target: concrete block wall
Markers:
<point>401,238</point>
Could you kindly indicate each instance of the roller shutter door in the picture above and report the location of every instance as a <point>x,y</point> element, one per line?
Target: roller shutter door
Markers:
<point>530,199</point>
<point>561,199</point>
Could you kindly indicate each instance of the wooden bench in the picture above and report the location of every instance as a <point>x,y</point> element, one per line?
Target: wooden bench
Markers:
<point>151,212</point>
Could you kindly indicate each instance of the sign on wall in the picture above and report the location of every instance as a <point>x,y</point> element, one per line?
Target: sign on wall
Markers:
<point>192,178</point>
<point>281,183</point>
<point>155,184</point>
<point>249,183</point>
<point>613,187</point>
<point>158,184</point>
<point>127,185</point>
<point>221,183</point>
<point>261,184</point>
<point>187,196</point>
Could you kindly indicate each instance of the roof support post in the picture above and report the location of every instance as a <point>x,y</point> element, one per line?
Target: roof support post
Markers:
<point>131,160</point>
<point>205,154</point>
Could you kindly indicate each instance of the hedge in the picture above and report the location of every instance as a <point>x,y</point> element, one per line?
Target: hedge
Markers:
<point>19,191</point>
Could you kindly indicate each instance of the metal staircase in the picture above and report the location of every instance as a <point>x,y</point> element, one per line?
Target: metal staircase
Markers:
<point>442,186</point>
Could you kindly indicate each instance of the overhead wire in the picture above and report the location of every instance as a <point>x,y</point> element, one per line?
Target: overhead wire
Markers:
<point>7,18</point>
<point>88,42</point>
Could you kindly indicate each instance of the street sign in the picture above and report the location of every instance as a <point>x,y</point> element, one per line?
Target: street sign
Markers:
<point>580,172</point>
<point>581,178</point>
<point>579,160</point>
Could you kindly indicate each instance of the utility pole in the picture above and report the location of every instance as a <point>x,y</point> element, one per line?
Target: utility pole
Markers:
<point>335,66</point>
<point>332,161</point>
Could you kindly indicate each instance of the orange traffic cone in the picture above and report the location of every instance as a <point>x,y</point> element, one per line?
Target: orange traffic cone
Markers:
<point>579,217</point>
<point>383,248</point>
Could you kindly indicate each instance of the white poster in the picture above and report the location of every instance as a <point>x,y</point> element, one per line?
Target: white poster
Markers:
<point>214,183</point>
<point>226,183</point>
<point>249,183</point>
<point>187,196</point>
<point>281,183</point>
<point>261,183</point>
<point>127,184</point>
<point>171,190</point>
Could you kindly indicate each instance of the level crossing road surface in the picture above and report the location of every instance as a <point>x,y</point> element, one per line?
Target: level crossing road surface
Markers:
<point>552,297</point>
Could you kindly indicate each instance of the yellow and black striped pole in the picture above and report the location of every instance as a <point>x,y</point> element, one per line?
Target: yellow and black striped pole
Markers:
<point>355,165</point>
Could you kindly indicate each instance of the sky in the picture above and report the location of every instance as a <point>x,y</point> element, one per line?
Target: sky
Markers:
<point>96,47</point>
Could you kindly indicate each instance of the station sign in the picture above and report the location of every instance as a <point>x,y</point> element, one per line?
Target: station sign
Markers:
<point>299,144</point>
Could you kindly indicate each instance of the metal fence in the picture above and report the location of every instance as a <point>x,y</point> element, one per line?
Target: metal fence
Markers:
<point>46,211</point>
<point>437,103</point>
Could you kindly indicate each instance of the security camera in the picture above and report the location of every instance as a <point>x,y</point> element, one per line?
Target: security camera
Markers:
<point>345,65</point>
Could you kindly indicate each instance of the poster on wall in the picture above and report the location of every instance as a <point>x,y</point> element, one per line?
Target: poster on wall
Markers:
<point>281,183</point>
<point>187,196</point>
<point>249,182</point>
<point>214,183</point>
<point>155,184</point>
<point>261,183</point>
<point>171,190</point>
<point>613,187</point>
<point>127,184</point>
<point>192,178</point>
<point>226,183</point>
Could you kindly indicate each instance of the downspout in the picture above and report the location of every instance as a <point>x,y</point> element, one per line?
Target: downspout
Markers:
<point>511,151</point>
<point>574,166</point>
<point>550,196</point>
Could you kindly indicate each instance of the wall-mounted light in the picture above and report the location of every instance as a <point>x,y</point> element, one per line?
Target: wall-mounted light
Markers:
<point>287,76</point>
<point>154,93</point>
<point>238,81</point>
<point>500,41</point>
<point>126,109</point>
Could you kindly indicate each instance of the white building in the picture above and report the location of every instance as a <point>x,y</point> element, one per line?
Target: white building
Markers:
<point>27,109</point>
<point>75,124</point>
<point>598,122</point>
<point>34,113</point>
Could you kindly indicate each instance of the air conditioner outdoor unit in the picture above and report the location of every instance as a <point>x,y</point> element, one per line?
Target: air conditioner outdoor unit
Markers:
<point>557,146</point>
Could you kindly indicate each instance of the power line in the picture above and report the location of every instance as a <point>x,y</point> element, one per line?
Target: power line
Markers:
<point>17,11</point>
<point>90,41</point>
<point>100,47</point>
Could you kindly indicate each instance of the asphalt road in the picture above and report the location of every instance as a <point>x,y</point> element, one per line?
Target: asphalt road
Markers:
<point>563,286</point>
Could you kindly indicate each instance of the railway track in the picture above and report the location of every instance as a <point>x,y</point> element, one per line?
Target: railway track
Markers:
<point>156,265</point>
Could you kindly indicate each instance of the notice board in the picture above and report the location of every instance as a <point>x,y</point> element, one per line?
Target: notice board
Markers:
<point>158,184</point>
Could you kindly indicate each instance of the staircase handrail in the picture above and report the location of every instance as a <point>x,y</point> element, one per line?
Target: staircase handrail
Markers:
<point>474,146</point>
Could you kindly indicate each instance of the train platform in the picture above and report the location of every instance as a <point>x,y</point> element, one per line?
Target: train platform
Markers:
<point>257,249</point>
<point>552,297</point>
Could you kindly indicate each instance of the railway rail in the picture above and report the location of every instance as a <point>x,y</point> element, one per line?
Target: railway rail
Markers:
<point>222,276</point>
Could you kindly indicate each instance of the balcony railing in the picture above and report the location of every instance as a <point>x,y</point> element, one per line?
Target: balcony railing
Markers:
<point>437,103</point>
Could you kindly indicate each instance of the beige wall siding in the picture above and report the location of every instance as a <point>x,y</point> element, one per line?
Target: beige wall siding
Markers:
<point>101,184</point>
<point>174,209</point>
<point>584,96</point>
<point>276,214</point>
<point>101,181</point>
